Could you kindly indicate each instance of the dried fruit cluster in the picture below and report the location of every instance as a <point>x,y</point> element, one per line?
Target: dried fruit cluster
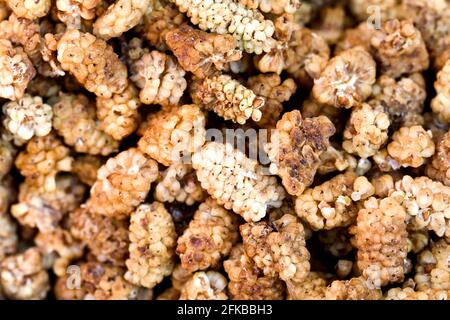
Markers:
<point>225,149</point>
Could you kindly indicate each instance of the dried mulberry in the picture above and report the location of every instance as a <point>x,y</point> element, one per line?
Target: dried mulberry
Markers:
<point>152,245</point>
<point>210,235</point>
<point>122,184</point>
<point>295,149</point>
<point>236,182</point>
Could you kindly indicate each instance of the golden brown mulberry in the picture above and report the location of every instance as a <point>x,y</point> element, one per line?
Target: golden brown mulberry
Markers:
<point>251,30</point>
<point>210,236</point>
<point>209,285</point>
<point>279,248</point>
<point>122,184</point>
<point>41,161</point>
<point>44,210</point>
<point>353,289</point>
<point>107,239</point>
<point>288,248</point>
<point>104,282</point>
<point>29,9</point>
<point>411,146</point>
<point>427,202</point>
<point>228,98</point>
<point>399,48</point>
<point>73,12</point>
<point>118,115</point>
<point>200,52</point>
<point>159,77</point>
<point>74,119</point>
<point>60,248</point>
<point>92,62</point>
<point>179,183</point>
<point>439,167</point>
<point>295,149</point>
<point>16,71</point>
<point>273,6</point>
<point>431,18</point>
<point>382,241</point>
<point>275,92</point>
<point>441,103</point>
<point>86,167</point>
<point>28,117</point>
<point>432,267</point>
<point>163,18</point>
<point>347,79</point>
<point>402,99</point>
<point>173,135</point>
<point>247,282</point>
<point>23,276</point>
<point>120,17</point>
<point>366,131</point>
<point>152,245</point>
<point>306,55</point>
<point>332,204</point>
<point>23,32</point>
<point>312,288</point>
<point>236,182</point>
<point>410,294</point>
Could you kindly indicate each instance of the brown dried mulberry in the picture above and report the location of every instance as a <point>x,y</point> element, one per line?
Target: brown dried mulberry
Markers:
<point>179,183</point>
<point>236,182</point>
<point>251,30</point>
<point>173,135</point>
<point>411,146</point>
<point>366,131</point>
<point>152,245</point>
<point>432,267</point>
<point>295,149</point>
<point>332,204</point>
<point>23,276</point>
<point>75,120</point>
<point>399,48</point>
<point>209,285</point>
<point>16,71</point>
<point>122,184</point>
<point>247,282</point>
<point>107,239</point>
<point>120,17</point>
<point>275,92</point>
<point>228,98</point>
<point>118,115</point>
<point>92,62</point>
<point>41,161</point>
<point>210,235</point>
<point>45,210</point>
<point>381,240</point>
<point>200,52</point>
<point>347,79</point>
